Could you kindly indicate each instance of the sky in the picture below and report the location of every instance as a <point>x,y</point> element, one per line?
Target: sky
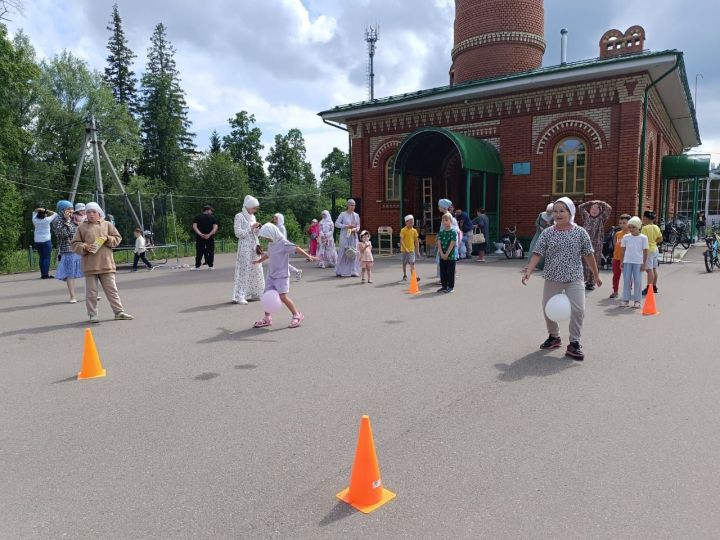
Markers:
<point>286,60</point>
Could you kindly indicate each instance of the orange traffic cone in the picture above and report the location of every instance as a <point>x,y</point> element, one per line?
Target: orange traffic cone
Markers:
<point>91,366</point>
<point>366,492</point>
<point>649,308</point>
<point>414,288</point>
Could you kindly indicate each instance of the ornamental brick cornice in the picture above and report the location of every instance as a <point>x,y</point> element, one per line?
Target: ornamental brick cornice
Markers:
<point>499,37</point>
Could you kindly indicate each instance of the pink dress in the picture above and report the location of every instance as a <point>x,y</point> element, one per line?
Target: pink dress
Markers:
<point>366,256</point>
<point>314,233</point>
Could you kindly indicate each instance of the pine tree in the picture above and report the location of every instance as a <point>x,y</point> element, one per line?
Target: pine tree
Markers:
<point>215,145</point>
<point>167,141</point>
<point>243,144</point>
<point>118,73</point>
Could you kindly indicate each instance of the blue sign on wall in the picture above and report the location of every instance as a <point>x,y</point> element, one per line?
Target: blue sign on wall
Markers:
<point>521,169</point>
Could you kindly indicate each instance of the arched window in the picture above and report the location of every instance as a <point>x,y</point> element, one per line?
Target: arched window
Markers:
<point>570,167</point>
<point>392,182</point>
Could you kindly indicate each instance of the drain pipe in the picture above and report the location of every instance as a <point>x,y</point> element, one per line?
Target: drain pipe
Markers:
<point>644,132</point>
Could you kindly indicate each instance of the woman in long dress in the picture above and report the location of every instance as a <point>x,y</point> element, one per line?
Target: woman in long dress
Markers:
<point>543,221</point>
<point>349,224</point>
<point>326,253</point>
<point>249,279</point>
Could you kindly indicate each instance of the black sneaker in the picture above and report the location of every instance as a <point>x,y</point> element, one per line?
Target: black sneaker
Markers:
<point>574,350</point>
<point>551,342</point>
<point>644,291</point>
<point>442,290</point>
<point>449,290</point>
<point>589,286</point>
<point>655,290</point>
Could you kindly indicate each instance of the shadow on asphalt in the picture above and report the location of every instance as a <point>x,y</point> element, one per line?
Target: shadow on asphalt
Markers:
<point>44,329</point>
<point>206,376</point>
<point>36,306</point>
<point>211,307</point>
<point>536,364</point>
<point>242,335</point>
<point>73,378</point>
<point>340,511</point>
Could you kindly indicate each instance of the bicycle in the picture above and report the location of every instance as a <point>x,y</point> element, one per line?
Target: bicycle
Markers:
<point>511,245</point>
<point>678,234</point>
<point>711,255</point>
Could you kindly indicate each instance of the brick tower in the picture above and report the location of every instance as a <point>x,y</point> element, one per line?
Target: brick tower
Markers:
<point>496,37</point>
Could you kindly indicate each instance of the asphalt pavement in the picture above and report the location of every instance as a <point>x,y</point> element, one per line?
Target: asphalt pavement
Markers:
<point>207,428</point>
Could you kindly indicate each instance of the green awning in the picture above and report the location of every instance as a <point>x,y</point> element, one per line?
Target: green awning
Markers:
<point>476,155</point>
<point>686,166</point>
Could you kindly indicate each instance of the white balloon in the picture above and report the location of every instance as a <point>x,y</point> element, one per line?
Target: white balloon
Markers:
<point>558,308</point>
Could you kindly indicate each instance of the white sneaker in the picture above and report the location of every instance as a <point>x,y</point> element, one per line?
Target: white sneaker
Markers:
<point>298,275</point>
<point>241,301</point>
<point>195,269</point>
<point>211,268</point>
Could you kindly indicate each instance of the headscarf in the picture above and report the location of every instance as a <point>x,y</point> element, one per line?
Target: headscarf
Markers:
<point>271,232</point>
<point>95,207</point>
<point>444,204</point>
<point>635,221</point>
<point>281,224</point>
<point>547,215</point>
<point>79,207</point>
<point>570,206</point>
<point>326,218</point>
<point>349,202</point>
<point>61,206</point>
<point>250,202</point>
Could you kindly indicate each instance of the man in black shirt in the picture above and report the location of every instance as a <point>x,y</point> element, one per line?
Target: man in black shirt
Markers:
<point>205,227</point>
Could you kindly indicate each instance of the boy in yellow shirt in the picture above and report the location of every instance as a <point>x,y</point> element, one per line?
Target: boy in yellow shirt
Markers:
<point>654,235</point>
<point>409,245</point>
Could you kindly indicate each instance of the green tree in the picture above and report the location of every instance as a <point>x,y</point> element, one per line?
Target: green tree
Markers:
<point>167,141</point>
<point>243,144</point>
<point>18,94</point>
<point>118,73</point>
<point>215,144</point>
<point>287,163</point>
<point>10,219</point>
<point>335,175</point>
<point>213,176</point>
<point>69,93</point>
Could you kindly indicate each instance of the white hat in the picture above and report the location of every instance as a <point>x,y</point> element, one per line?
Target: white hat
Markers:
<point>79,207</point>
<point>409,217</point>
<point>96,208</point>
<point>251,202</point>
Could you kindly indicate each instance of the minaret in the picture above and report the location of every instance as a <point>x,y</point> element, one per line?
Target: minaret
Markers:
<point>496,37</point>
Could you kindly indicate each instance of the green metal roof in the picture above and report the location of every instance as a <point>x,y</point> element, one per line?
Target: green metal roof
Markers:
<point>686,166</point>
<point>475,154</point>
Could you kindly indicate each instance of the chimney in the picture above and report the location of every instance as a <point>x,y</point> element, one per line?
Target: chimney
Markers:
<point>615,43</point>
<point>563,46</point>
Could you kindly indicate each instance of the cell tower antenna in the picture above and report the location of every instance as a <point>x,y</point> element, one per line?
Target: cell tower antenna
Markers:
<point>371,37</point>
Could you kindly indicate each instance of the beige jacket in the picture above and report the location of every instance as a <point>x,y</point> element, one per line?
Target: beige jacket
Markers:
<point>101,262</point>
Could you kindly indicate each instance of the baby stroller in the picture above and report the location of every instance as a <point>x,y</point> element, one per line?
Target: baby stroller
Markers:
<point>607,249</point>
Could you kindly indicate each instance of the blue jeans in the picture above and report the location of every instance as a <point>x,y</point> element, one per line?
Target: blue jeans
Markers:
<point>44,250</point>
<point>632,279</point>
<point>467,242</point>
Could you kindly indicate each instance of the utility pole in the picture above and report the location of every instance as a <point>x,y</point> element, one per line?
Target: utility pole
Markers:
<point>96,158</point>
<point>371,37</point>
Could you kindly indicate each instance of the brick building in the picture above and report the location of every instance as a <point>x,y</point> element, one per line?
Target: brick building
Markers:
<point>509,135</point>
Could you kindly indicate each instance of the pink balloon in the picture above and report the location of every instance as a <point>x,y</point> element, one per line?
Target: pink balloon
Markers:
<point>271,301</point>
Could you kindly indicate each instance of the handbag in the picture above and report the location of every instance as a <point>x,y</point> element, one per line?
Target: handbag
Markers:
<point>478,238</point>
<point>351,252</point>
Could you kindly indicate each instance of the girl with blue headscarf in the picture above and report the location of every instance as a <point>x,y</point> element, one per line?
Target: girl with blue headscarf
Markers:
<point>69,263</point>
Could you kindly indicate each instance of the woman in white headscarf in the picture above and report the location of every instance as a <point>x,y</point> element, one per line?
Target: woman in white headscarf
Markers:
<point>249,279</point>
<point>565,246</point>
<point>349,224</point>
<point>279,221</point>
<point>543,221</point>
<point>326,253</point>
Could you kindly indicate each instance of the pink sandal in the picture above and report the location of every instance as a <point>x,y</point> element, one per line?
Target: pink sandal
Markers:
<point>262,323</point>
<point>297,320</point>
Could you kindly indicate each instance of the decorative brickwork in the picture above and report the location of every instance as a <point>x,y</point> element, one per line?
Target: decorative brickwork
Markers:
<point>614,42</point>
